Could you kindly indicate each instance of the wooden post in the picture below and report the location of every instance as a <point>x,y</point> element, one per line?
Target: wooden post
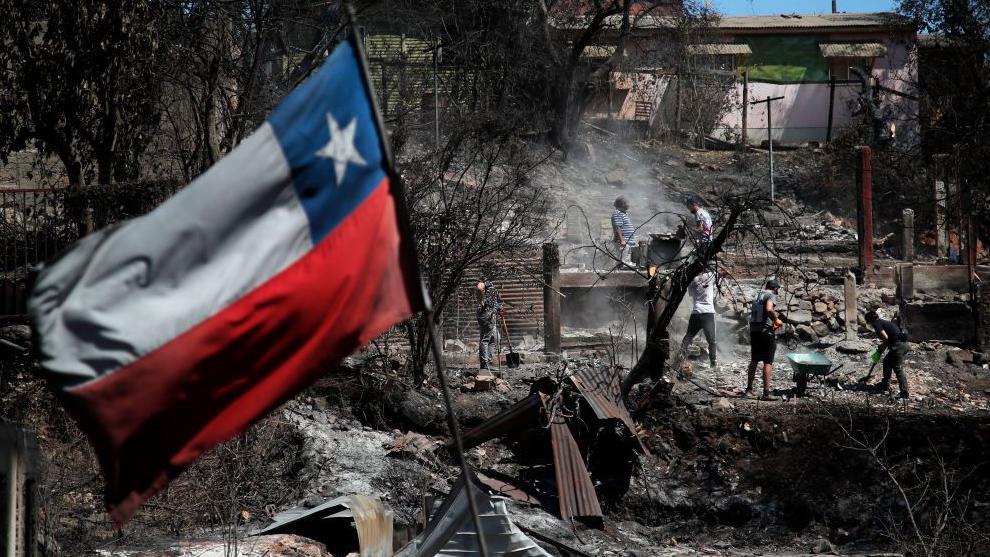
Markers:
<point>907,235</point>
<point>941,235</point>
<point>745,109</point>
<point>18,501</point>
<point>677,109</point>
<point>864,202</point>
<point>551,298</point>
<point>831,108</point>
<point>849,294</point>
<point>905,281</point>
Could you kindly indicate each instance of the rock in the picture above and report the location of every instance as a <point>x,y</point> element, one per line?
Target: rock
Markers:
<point>805,332</point>
<point>887,296</point>
<point>823,546</point>
<point>419,409</point>
<point>453,345</point>
<point>804,304</point>
<point>588,151</point>
<point>820,307</point>
<point>722,404</point>
<point>960,358</point>
<point>854,346</point>
<point>691,163</point>
<point>616,177</point>
<point>800,317</point>
<point>833,324</point>
<point>821,329</point>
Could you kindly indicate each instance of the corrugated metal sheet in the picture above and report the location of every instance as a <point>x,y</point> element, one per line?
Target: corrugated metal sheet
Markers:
<point>523,414</point>
<point>517,281</point>
<point>852,50</point>
<point>574,488</point>
<point>859,21</point>
<point>451,531</point>
<point>718,49</point>
<point>601,388</point>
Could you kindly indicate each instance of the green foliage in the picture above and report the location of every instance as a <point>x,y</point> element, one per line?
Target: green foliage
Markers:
<point>80,84</point>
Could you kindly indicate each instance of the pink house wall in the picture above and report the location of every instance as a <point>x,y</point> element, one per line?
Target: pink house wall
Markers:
<point>802,115</point>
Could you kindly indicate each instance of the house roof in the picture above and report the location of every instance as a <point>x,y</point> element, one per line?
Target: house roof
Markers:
<point>852,50</point>
<point>807,22</point>
<point>718,49</point>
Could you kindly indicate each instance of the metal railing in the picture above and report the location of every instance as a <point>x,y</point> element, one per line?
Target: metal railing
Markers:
<point>37,224</point>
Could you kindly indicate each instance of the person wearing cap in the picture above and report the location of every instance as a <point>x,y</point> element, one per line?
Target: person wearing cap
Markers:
<point>623,232</point>
<point>702,223</point>
<point>702,291</point>
<point>489,310</point>
<point>763,324</point>
<point>894,342</point>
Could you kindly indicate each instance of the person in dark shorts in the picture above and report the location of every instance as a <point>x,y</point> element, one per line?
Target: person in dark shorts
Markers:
<point>895,343</point>
<point>763,323</point>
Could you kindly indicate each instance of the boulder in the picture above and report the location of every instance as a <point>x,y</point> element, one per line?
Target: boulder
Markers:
<point>616,177</point>
<point>854,346</point>
<point>820,307</point>
<point>805,332</point>
<point>820,328</point>
<point>800,317</point>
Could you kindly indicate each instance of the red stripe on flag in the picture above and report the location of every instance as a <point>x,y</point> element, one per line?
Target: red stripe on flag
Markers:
<point>155,417</point>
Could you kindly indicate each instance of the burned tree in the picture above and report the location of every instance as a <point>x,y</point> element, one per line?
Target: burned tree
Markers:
<point>80,84</point>
<point>474,203</point>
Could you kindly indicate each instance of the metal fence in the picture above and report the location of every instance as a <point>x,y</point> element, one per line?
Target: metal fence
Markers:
<point>37,224</point>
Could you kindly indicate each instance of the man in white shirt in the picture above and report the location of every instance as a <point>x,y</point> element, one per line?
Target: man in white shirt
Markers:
<point>702,291</point>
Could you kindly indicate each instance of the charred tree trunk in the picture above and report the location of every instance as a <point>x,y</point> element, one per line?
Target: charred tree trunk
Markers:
<point>668,296</point>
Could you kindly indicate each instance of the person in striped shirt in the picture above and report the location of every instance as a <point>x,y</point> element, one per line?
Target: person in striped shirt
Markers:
<point>623,232</point>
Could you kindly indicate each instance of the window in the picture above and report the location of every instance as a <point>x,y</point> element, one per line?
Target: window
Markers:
<point>838,68</point>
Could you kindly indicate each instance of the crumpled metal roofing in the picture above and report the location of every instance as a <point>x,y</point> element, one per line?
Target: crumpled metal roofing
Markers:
<point>601,387</point>
<point>575,491</point>
<point>521,415</point>
<point>852,50</point>
<point>450,531</point>
<point>717,49</point>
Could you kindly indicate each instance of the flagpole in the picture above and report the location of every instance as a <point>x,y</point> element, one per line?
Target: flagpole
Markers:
<point>402,213</point>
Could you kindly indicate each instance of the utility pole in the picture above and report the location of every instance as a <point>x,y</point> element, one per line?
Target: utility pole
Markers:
<point>436,95</point>
<point>769,101</point>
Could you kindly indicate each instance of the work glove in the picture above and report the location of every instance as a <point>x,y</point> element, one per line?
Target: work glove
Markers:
<point>875,356</point>
<point>777,324</point>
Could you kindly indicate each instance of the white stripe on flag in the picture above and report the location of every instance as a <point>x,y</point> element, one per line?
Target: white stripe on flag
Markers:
<point>127,290</point>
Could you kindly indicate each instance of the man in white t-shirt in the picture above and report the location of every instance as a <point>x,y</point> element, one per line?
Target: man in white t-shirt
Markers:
<point>702,291</point>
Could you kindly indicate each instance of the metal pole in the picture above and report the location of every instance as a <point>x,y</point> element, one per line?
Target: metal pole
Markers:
<point>416,281</point>
<point>436,95</point>
<point>455,431</point>
<point>745,109</point>
<point>770,143</point>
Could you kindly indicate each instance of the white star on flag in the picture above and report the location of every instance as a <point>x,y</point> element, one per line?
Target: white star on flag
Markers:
<point>341,147</point>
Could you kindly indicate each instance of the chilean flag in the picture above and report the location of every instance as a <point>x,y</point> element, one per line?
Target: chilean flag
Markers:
<point>170,333</point>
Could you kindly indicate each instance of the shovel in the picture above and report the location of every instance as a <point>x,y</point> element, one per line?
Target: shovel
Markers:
<point>512,359</point>
<point>863,380</point>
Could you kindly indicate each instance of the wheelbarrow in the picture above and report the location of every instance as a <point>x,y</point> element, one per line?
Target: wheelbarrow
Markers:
<point>809,364</point>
